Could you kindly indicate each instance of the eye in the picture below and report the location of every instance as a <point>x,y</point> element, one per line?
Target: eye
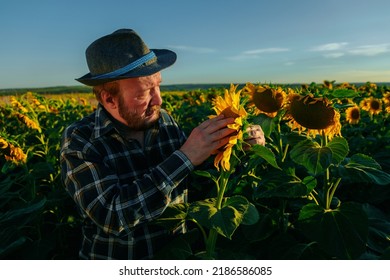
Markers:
<point>142,96</point>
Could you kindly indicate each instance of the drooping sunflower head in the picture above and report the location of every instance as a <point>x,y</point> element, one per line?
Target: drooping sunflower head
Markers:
<point>28,122</point>
<point>17,105</point>
<point>347,85</point>
<point>316,115</point>
<point>11,152</point>
<point>367,87</point>
<point>352,114</point>
<point>230,106</point>
<point>328,84</point>
<point>266,100</point>
<point>16,155</point>
<point>371,105</point>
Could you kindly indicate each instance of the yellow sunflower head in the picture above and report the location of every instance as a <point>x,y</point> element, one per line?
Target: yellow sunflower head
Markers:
<point>28,122</point>
<point>352,115</point>
<point>230,106</point>
<point>371,105</point>
<point>15,155</point>
<point>17,105</point>
<point>316,115</point>
<point>386,101</point>
<point>347,85</point>
<point>386,98</point>
<point>266,100</point>
<point>3,143</point>
<point>368,87</point>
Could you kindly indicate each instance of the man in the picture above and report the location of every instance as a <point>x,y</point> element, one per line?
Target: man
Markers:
<point>125,163</point>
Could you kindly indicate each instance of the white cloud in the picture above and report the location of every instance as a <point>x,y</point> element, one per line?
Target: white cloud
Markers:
<point>330,47</point>
<point>335,50</point>
<point>334,55</point>
<point>370,50</point>
<point>257,53</point>
<point>192,49</point>
<point>266,50</point>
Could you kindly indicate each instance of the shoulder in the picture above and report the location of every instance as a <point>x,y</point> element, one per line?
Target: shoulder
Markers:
<point>82,126</point>
<point>170,126</point>
<point>79,134</point>
<point>166,118</point>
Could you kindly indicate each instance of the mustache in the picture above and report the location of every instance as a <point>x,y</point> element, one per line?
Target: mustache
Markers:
<point>153,109</point>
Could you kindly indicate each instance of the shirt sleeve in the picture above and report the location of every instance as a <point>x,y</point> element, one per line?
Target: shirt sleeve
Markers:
<point>117,208</point>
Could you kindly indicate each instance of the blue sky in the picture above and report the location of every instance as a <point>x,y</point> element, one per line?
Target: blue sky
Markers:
<point>217,41</point>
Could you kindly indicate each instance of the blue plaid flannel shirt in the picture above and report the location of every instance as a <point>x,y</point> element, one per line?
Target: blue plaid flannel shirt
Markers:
<point>120,187</point>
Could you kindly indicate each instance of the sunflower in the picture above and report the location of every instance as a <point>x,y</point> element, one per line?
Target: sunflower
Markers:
<point>386,98</point>
<point>386,101</point>
<point>229,106</point>
<point>371,105</point>
<point>328,84</point>
<point>314,114</point>
<point>3,143</point>
<point>265,99</point>
<point>368,87</point>
<point>16,155</point>
<point>352,114</point>
<point>347,85</point>
<point>28,122</point>
<point>12,153</point>
<point>16,104</point>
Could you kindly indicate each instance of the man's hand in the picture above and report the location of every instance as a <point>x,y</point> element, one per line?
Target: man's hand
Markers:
<point>255,136</point>
<point>208,137</point>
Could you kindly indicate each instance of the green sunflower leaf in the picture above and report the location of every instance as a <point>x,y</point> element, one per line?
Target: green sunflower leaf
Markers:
<point>341,232</point>
<point>225,220</point>
<point>312,156</point>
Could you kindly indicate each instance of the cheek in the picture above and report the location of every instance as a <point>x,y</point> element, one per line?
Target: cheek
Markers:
<point>139,106</point>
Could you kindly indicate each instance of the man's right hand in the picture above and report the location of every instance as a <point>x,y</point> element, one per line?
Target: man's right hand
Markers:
<point>208,137</point>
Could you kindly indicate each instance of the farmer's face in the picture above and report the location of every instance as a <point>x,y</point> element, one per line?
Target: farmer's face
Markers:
<point>139,101</point>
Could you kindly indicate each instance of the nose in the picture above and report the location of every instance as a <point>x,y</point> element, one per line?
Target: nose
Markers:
<point>156,97</point>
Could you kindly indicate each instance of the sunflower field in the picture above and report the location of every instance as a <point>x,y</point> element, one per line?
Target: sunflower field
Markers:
<point>317,188</point>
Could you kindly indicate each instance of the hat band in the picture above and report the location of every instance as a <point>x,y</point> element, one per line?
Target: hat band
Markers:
<point>128,67</point>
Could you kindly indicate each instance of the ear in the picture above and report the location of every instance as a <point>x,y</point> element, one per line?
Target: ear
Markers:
<point>108,100</point>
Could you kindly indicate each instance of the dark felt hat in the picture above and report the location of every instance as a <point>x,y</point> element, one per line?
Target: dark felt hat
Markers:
<point>123,54</point>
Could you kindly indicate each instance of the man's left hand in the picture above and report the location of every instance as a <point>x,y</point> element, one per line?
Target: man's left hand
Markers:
<point>255,135</point>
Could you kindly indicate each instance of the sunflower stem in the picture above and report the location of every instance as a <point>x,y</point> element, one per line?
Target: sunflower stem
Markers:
<point>285,152</point>
<point>280,142</point>
<point>222,184</point>
<point>332,189</point>
<point>327,184</point>
<point>201,230</point>
<point>314,195</point>
<point>223,181</point>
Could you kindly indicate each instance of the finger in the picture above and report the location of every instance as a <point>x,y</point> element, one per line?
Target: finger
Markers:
<point>219,124</point>
<point>254,131</point>
<point>206,123</point>
<point>254,141</point>
<point>220,144</point>
<point>222,133</point>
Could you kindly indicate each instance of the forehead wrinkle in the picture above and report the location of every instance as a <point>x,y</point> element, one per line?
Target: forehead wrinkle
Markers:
<point>149,81</point>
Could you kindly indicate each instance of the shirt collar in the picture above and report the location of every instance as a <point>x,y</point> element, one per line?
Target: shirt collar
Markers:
<point>103,123</point>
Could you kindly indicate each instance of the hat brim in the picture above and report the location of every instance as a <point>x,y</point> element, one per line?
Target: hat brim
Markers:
<point>165,58</point>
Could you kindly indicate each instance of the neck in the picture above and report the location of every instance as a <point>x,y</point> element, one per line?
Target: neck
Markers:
<point>126,131</point>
